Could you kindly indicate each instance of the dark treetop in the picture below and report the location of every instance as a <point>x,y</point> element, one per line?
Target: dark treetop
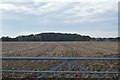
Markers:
<point>56,37</point>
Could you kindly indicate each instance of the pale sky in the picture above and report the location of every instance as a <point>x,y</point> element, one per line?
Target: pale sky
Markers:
<point>97,19</point>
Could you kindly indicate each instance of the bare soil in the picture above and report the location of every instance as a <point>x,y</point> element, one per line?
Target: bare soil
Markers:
<point>58,49</point>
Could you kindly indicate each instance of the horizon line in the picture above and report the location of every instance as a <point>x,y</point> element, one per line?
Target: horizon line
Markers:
<point>55,32</point>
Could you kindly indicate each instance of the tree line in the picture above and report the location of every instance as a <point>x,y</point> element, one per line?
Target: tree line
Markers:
<point>56,37</point>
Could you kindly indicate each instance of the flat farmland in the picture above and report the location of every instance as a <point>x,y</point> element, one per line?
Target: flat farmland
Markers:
<point>58,49</point>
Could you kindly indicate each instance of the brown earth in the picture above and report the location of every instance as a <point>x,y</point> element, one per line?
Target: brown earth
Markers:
<point>58,49</point>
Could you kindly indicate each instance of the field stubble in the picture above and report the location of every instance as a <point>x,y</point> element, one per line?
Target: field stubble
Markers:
<point>58,49</point>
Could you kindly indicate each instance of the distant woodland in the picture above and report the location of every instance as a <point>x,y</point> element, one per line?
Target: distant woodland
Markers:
<point>56,37</point>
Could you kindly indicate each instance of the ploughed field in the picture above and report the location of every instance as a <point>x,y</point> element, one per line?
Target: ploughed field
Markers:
<point>59,49</point>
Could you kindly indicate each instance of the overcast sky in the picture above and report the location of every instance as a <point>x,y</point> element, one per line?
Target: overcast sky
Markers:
<point>97,19</point>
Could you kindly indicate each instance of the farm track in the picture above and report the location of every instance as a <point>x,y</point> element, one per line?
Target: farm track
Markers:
<point>57,49</point>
